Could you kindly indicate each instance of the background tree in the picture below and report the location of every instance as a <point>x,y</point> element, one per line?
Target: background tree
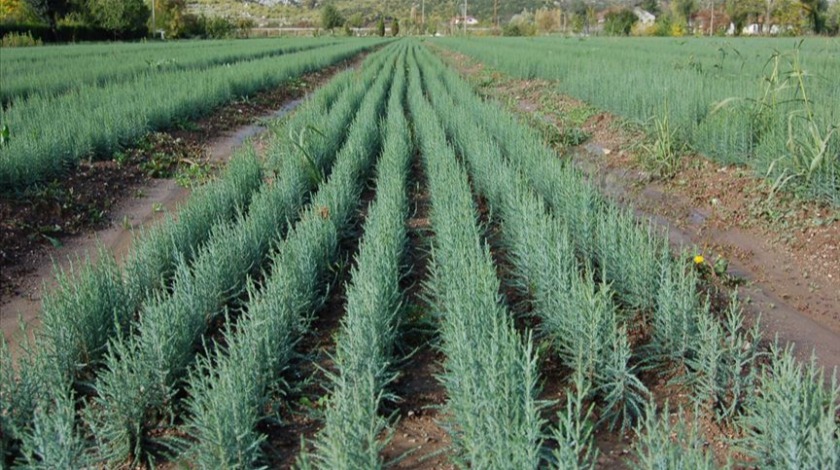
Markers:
<point>580,18</point>
<point>16,11</point>
<point>331,18</point>
<point>815,12</point>
<point>380,27</point>
<point>119,16</point>
<point>51,11</point>
<point>395,27</point>
<point>684,10</point>
<point>356,20</point>
<point>619,23</point>
<point>789,16</point>
<point>832,23</point>
<point>547,20</point>
<point>521,24</point>
<point>172,17</point>
<point>740,11</point>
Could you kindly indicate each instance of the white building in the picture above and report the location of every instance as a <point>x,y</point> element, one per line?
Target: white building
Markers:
<point>645,17</point>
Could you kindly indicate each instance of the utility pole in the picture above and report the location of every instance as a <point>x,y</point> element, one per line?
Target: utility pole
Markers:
<point>712,27</point>
<point>465,17</point>
<point>496,13</point>
<point>423,16</point>
<point>154,23</point>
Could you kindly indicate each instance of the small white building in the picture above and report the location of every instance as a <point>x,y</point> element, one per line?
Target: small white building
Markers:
<point>645,17</point>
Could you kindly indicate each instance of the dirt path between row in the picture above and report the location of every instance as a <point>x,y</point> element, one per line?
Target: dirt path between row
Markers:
<point>143,202</point>
<point>784,253</point>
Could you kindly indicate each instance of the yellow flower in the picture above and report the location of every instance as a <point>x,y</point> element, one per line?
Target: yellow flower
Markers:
<point>699,259</point>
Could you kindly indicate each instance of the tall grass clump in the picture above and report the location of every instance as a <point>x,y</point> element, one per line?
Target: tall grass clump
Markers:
<point>351,437</point>
<point>230,388</point>
<point>490,372</point>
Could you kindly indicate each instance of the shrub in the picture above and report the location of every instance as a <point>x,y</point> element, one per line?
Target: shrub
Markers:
<point>15,39</point>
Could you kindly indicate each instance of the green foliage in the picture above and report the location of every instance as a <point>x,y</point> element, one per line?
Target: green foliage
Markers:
<point>668,441</point>
<point>722,364</point>
<point>51,10</point>
<point>395,28</point>
<point>95,298</point>
<point>790,422</point>
<point>145,371</point>
<point>229,389</point>
<point>490,372</point>
<point>518,29</point>
<point>218,27</point>
<point>36,74</point>
<point>120,16</point>
<point>663,156</point>
<point>575,429</point>
<point>380,28</point>
<point>675,324</point>
<point>330,17</point>
<point>619,23</point>
<point>130,110</point>
<point>693,77</point>
<point>14,39</point>
<point>351,437</point>
<point>53,441</point>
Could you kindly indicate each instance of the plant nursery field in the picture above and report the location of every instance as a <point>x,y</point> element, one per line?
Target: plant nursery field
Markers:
<point>413,270</point>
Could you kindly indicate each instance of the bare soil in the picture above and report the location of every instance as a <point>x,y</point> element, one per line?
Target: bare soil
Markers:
<point>105,202</point>
<point>419,439</point>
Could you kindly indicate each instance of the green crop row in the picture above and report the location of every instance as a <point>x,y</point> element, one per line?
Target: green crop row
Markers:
<point>216,273</point>
<point>576,312</point>
<point>771,105</point>
<point>490,372</point>
<point>93,301</point>
<point>351,437</point>
<point>25,76</point>
<point>719,357</point>
<point>142,373</point>
<point>49,134</point>
<point>229,390</point>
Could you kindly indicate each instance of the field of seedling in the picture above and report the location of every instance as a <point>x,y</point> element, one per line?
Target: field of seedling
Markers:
<point>399,250</point>
<point>770,105</point>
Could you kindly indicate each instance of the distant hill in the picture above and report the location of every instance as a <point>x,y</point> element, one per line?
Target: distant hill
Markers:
<point>292,12</point>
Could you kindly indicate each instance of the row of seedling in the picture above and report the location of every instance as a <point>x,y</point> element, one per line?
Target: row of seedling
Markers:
<point>49,134</point>
<point>577,312</point>
<point>144,361</point>
<point>230,389</point>
<point>715,351</point>
<point>352,436</point>
<point>490,371</point>
<point>28,74</point>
